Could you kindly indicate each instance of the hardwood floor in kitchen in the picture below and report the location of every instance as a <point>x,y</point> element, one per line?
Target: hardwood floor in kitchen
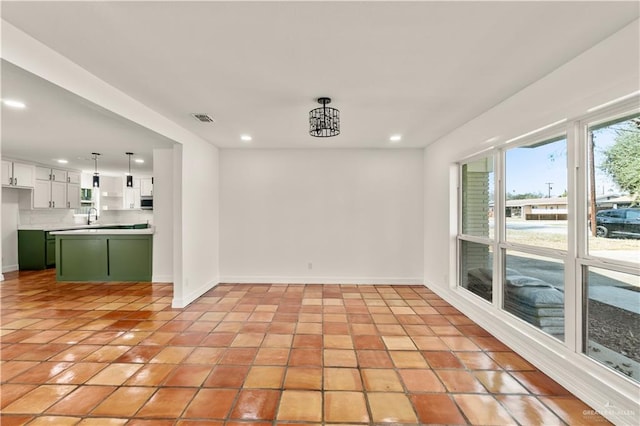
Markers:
<point>117,353</point>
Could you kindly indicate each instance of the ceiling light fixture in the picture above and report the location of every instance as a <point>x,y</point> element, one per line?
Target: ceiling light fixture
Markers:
<point>96,177</point>
<point>324,122</point>
<point>129,177</point>
<point>246,138</point>
<point>62,161</point>
<point>395,138</point>
<point>139,160</point>
<point>14,104</point>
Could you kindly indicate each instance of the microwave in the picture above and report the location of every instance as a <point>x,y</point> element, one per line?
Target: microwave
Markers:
<point>146,203</point>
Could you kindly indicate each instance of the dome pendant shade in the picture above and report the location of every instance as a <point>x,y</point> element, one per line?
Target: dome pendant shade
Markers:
<point>324,121</point>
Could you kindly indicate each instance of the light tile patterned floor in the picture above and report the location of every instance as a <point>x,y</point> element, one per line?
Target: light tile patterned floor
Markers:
<point>114,354</point>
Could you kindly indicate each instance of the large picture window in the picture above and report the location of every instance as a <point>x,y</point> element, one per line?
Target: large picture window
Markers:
<point>613,164</point>
<point>536,204</point>
<point>611,256</point>
<point>534,290</point>
<point>612,319</point>
<point>477,225</point>
<point>557,248</point>
<point>477,197</point>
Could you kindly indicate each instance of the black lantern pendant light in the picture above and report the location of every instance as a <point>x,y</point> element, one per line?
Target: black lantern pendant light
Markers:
<point>324,122</point>
<point>96,177</point>
<point>129,177</point>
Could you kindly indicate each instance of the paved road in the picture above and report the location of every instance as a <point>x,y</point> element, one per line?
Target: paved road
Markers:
<point>541,226</point>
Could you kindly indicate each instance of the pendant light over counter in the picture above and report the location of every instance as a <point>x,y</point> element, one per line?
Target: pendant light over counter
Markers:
<point>96,176</point>
<point>129,176</point>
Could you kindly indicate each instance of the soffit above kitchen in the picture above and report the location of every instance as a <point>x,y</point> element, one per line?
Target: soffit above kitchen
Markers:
<point>57,124</point>
<point>419,69</point>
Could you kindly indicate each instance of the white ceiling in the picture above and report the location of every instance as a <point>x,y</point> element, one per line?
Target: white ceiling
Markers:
<point>57,124</point>
<point>420,69</point>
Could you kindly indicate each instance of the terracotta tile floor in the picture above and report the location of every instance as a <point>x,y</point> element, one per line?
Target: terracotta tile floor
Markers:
<point>117,353</point>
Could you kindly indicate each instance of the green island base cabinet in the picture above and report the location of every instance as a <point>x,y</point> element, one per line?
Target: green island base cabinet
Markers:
<point>37,247</point>
<point>103,257</point>
<point>36,250</point>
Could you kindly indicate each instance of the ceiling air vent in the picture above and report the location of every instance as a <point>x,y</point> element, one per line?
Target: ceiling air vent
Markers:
<point>205,118</point>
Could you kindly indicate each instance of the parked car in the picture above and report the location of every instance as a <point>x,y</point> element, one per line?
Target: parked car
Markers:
<point>618,223</point>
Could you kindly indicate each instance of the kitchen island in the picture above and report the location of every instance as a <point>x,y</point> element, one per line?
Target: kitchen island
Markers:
<point>104,254</point>
<point>37,245</point>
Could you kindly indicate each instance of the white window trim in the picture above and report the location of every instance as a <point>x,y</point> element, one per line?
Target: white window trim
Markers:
<point>565,361</point>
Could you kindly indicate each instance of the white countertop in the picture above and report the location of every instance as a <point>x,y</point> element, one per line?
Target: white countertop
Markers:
<point>146,231</point>
<point>62,227</point>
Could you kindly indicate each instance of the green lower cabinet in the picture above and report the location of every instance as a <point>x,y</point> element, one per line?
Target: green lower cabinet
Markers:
<point>32,250</point>
<point>81,259</point>
<point>104,257</point>
<point>130,259</point>
<point>51,251</point>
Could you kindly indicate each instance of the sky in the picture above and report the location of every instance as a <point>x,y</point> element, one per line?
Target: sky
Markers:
<point>529,169</point>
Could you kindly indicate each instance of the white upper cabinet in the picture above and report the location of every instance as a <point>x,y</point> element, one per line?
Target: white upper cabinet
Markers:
<point>56,189</point>
<point>58,175</point>
<point>59,195</point>
<point>146,187</point>
<point>42,194</point>
<point>54,175</point>
<point>73,177</point>
<point>132,198</point>
<point>73,195</point>
<point>18,174</point>
<point>7,173</point>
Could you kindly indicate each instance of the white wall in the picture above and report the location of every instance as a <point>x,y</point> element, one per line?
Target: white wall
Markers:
<point>163,215</point>
<point>196,179</point>
<point>10,209</point>
<point>355,215</point>
<point>608,71</point>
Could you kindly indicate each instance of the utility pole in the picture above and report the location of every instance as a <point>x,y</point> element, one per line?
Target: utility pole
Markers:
<point>549,188</point>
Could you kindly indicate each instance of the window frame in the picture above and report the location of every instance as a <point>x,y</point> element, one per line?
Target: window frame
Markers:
<point>576,257</point>
<point>491,242</point>
<point>549,134</point>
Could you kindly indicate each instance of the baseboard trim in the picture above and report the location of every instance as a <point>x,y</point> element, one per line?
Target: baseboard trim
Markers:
<point>609,393</point>
<point>10,268</point>
<point>184,301</point>
<point>249,279</point>
<point>162,278</point>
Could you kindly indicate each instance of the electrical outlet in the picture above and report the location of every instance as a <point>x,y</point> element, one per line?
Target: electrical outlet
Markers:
<point>309,265</point>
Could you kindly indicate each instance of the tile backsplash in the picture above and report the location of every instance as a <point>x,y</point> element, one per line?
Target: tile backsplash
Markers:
<point>46,216</point>
<point>66,217</point>
<point>126,216</point>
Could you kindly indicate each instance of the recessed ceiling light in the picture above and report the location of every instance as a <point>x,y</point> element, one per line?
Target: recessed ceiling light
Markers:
<point>246,138</point>
<point>139,160</point>
<point>62,161</point>
<point>395,138</point>
<point>13,103</point>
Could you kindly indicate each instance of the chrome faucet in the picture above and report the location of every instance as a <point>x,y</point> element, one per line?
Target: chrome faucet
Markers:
<point>89,215</point>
